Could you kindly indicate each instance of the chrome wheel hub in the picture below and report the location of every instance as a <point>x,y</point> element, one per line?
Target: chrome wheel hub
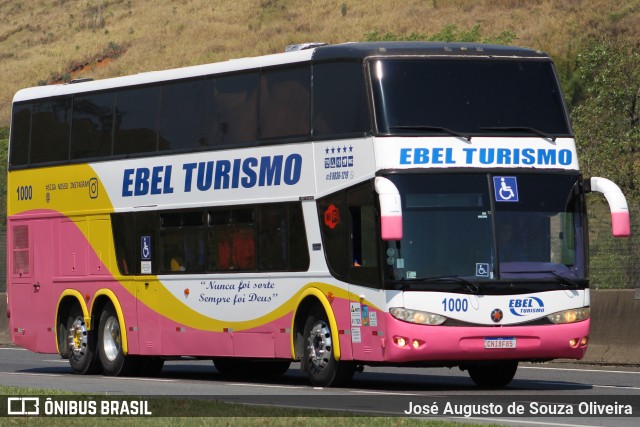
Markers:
<point>78,338</point>
<point>320,345</point>
<point>111,342</point>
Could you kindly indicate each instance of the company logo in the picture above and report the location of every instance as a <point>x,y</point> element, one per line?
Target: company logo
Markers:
<point>496,315</point>
<point>332,216</point>
<point>526,306</point>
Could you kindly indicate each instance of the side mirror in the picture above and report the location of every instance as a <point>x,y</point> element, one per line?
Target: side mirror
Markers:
<point>390,209</point>
<point>620,222</point>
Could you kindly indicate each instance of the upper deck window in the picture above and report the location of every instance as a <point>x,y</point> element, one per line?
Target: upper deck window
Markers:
<point>497,97</point>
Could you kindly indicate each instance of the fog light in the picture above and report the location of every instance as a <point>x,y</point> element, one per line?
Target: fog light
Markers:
<point>416,344</point>
<point>400,342</point>
<point>584,341</point>
<point>573,342</point>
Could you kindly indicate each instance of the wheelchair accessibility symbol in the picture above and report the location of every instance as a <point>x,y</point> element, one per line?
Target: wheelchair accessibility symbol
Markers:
<point>506,188</point>
<point>145,247</point>
<point>482,269</point>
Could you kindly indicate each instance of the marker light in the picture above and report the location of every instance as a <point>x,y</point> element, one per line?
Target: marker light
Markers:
<point>417,316</point>
<point>570,316</point>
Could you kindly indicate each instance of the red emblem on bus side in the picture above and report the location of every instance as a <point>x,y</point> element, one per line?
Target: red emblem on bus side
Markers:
<point>332,216</point>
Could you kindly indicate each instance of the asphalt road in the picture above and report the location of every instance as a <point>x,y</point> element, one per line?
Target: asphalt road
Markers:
<point>544,392</point>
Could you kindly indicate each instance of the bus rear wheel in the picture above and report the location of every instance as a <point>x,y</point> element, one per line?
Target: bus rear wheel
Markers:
<point>493,375</point>
<point>80,342</point>
<point>112,357</point>
<point>319,361</point>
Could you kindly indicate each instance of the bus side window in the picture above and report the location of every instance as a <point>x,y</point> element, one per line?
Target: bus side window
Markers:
<point>51,122</point>
<point>235,109</point>
<point>20,130</point>
<point>363,236</point>
<point>183,121</point>
<point>284,103</point>
<point>92,126</point>
<point>272,237</point>
<point>136,121</point>
<point>340,104</point>
<point>232,240</point>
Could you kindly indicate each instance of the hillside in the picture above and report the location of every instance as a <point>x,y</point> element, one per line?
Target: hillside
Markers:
<point>55,40</point>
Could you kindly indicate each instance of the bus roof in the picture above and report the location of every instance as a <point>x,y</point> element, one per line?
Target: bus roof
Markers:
<point>444,49</point>
<point>354,51</point>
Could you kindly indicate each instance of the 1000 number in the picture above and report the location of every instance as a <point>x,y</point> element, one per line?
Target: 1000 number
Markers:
<point>455,304</point>
<point>25,192</point>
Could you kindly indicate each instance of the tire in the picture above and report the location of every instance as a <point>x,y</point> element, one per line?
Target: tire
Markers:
<point>319,362</point>
<point>495,375</point>
<point>80,343</point>
<point>110,352</point>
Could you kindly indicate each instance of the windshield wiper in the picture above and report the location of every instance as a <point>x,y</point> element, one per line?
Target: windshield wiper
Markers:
<point>565,281</point>
<point>471,286</point>
<point>524,129</point>
<point>434,128</point>
<point>569,283</point>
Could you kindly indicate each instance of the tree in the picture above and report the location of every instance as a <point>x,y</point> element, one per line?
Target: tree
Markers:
<point>607,121</point>
<point>607,128</point>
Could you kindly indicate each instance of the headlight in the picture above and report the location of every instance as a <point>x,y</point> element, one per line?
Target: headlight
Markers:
<point>417,316</point>
<point>570,316</point>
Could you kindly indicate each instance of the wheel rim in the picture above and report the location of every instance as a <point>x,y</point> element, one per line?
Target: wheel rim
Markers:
<point>320,345</point>
<point>111,338</point>
<point>78,338</point>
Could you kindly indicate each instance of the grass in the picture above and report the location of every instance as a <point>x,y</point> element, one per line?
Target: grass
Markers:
<point>218,414</point>
<point>45,39</point>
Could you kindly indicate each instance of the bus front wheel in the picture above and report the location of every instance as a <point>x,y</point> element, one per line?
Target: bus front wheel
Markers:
<point>493,375</point>
<point>81,345</point>
<point>319,362</point>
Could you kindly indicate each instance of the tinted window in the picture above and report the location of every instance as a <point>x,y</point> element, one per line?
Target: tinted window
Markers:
<point>472,96</point>
<point>50,131</point>
<point>333,223</point>
<point>125,243</point>
<point>284,103</point>
<point>257,238</point>
<point>234,114</point>
<point>182,244</point>
<point>232,240</point>
<point>183,112</point>
<point>136,121</point>
<point>20,129</point>
<point>281,242</point>
<point>339,99</point>
<point>92,126</point>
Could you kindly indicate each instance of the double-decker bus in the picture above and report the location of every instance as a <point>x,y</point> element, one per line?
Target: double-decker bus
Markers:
<point>407,204</point>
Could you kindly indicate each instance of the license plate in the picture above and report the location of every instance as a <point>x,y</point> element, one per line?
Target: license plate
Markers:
<point>500,342</point>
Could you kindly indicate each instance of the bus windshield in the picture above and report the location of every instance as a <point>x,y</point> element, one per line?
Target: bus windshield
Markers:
<point>469,226</point>
<point>466,97</point>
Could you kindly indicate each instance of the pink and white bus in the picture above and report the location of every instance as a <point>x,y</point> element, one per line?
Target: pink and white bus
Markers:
<point>407,204</point>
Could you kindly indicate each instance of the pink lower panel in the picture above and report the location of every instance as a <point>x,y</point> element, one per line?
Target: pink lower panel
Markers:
<point>442,343</point>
